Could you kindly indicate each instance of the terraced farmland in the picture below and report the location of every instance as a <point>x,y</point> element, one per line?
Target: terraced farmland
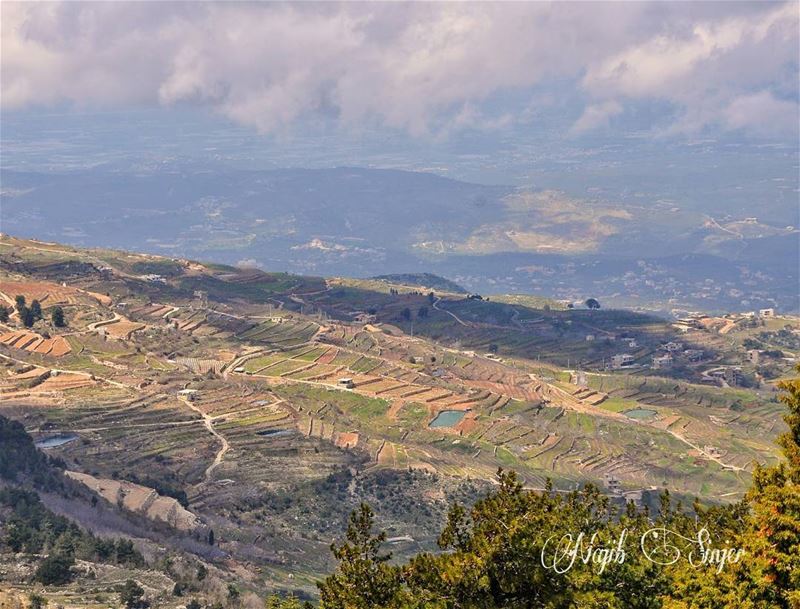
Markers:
<point>271,416</point>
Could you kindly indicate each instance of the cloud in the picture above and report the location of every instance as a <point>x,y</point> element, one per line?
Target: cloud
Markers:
<point>418,67</point>
<point>596,115</point>
<point>708,69</point>
<point>763,113</point>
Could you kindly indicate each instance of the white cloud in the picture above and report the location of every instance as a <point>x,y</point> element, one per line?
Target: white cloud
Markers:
<point>596,115</point>
<point>411,66</point>
<point>707,66</point>
<point>763,113</point>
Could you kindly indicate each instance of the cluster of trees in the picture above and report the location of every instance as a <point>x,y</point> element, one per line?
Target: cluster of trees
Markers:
<point>20,460</point>
<point>29,315</point>
<point>28,526</point>
<point>31,528</point>
<point>493,553</point>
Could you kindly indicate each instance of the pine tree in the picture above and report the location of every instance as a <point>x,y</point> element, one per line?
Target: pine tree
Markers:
<point>774,540</point>
<point>36,310</point>
<point>57,317</point>
<point>131,595</point>
<point>364,579</point>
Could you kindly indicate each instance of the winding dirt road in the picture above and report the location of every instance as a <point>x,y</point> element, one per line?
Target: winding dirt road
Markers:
<point>435,305</point>
<point>208,421</point>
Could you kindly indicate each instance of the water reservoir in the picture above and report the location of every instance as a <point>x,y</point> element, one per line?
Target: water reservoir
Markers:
<point>640,414</point>
<point>273,433</point>
<point>448,418</point>
<point>54,441</point>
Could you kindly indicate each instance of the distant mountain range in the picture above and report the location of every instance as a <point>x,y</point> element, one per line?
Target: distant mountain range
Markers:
<point>367,222</point>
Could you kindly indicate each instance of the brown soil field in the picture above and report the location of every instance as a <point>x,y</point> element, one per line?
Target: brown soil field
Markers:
<point>49,293</point>
<point>123,328</point>
<point>65,381</point>
<point>35,343</point>
<point>346,439</point>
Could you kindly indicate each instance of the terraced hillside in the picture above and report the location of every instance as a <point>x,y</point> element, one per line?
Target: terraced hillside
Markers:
<point>271,405</point>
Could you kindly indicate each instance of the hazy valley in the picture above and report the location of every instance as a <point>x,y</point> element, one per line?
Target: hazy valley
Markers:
<point>363,222</point>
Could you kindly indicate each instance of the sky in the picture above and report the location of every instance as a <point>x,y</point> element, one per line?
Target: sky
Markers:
<point>430,72</point>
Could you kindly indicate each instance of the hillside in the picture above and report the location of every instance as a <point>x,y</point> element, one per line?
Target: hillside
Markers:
<point>423,280</point>
<point>270,405</point>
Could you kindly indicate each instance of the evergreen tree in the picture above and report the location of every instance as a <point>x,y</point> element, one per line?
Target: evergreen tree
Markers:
<point>131,595</point>
<point>36,310</point>
<point>773,538</point>
<point>364,579</point>
<point>57,317</point>
<point>55,569</point>
<point>37,601</point>
<point>27,317</point>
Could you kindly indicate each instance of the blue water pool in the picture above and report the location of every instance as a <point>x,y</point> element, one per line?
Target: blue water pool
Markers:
<point>448,418</point>
<point>54,441</point>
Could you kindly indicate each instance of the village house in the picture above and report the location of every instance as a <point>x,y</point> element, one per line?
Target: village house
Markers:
<point>189,394</point>
<point>733,376</point>
<point>622,360</point>
<point>346,382</point>
<point>766,312</point>
<point>662,361</point>
<point>613,484</point>
<point>694,355</point>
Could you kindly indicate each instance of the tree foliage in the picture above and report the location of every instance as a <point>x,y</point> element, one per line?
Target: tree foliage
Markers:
<point>131,595</point>
<point>57,317</point>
